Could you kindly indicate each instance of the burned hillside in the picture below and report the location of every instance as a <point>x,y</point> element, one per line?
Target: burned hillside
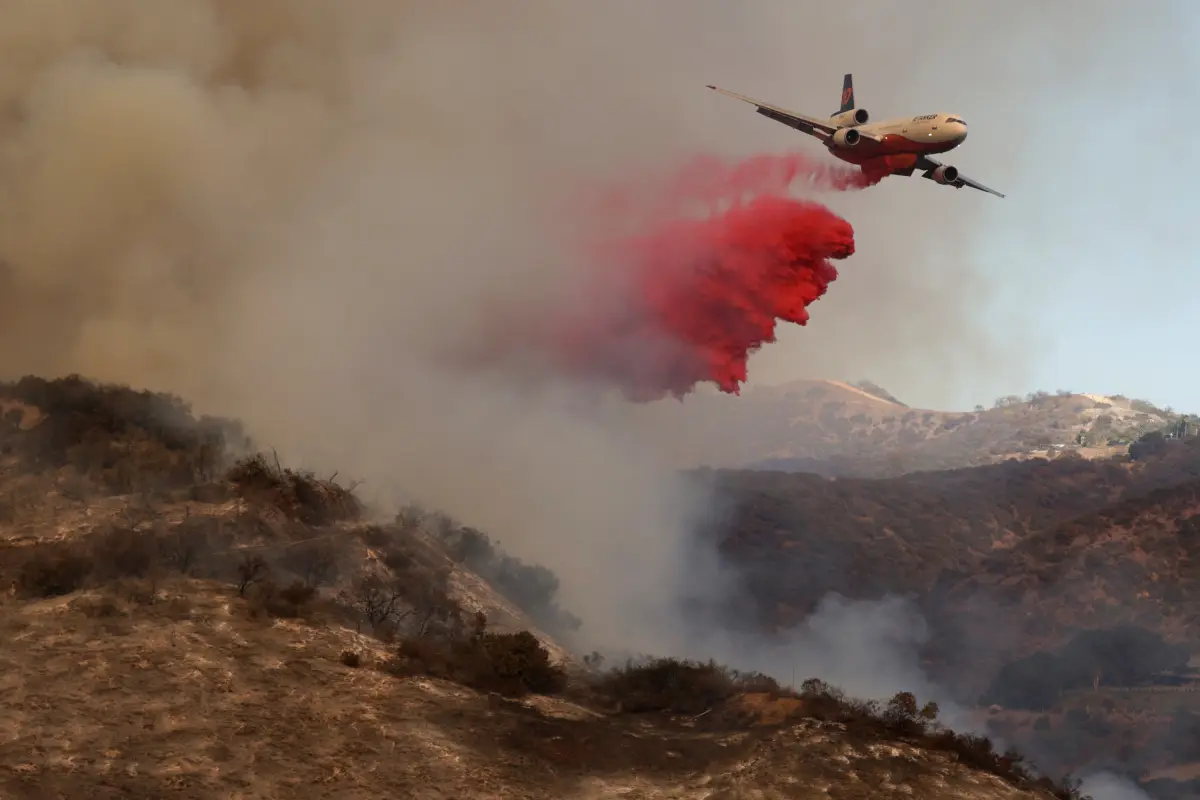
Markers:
<point>174,591</point>
<point>107,482</point>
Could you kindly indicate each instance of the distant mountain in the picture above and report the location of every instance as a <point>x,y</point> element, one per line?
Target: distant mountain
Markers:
<point>840,429</point>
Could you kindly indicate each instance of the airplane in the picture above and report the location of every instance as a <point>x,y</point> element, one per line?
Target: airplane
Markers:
<point>897,146</point>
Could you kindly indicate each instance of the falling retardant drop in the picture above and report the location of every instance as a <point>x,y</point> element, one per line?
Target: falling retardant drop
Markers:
<point>686,274</point>
<point>697,296</point>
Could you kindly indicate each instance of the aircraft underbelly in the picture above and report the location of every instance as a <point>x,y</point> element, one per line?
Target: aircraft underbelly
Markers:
<point>892,153</point>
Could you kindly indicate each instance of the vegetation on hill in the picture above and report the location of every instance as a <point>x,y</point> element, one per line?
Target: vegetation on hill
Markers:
<point>664,685</point>
<point>1135,561</point>
<point>532,587</point>
<point>796,537</point>
<point>122,508</point>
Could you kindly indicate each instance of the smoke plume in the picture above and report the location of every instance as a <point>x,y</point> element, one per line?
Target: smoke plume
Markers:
<point>1106,786</point>
<point>294,211</point>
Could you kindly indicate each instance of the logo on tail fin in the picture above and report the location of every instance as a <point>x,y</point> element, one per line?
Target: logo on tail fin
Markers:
<point>847,93</point>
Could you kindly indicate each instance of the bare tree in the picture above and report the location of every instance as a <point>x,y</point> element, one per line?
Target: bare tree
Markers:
<point>377,599</point>
<point>252,569</point>
<point>433,609</point>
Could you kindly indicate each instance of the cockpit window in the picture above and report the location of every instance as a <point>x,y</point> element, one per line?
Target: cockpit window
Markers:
<point>955,119</point>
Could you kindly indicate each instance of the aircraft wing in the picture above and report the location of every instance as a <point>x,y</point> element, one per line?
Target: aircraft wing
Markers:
<point>810,125</point>
<point>930,164</point>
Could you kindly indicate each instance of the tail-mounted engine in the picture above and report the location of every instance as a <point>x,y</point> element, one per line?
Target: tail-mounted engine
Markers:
<point>855,116</point>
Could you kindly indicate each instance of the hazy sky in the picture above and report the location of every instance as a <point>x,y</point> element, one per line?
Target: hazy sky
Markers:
<point>292,211</point>
<point>163,167</point>
<point>1078,111</point>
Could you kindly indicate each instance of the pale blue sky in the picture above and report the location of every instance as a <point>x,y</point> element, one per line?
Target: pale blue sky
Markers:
<point>1087,276</point>
<point>1102,216</point>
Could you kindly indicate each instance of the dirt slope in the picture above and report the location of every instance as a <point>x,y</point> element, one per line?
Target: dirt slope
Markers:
<point>188,697</point>
<point>180,624</point>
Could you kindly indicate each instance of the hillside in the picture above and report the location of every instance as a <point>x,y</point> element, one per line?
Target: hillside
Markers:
<point>797,536</point>
<point>188,696</point>
<point>837,429</point>
<point>1136,561</point>
<point>1007,563</point>
<point>187,617</point>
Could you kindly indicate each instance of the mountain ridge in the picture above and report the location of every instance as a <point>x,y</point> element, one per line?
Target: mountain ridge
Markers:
<point>858,429</point>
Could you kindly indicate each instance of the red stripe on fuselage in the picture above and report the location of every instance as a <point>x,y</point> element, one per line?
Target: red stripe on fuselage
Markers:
<point>899,151</point>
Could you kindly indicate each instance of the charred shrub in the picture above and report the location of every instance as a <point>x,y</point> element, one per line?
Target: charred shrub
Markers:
<point>54,569</point>
<point>667,685</point>
<point>251,570</point>
<point>265,596</point>
<point>120,552</point>
<point>378,536</point>
<point>282,602</point>
<point>189,547</point>
<point>412,599</point>
<point>299,495</point>
<point>104,556</point>
<point>380,601</point>
<point>519,664</point>
<point>435,658</point>
<point>511,664</point>
<point>120,437</point>
<point>297,594</point>
<point>399,560</point>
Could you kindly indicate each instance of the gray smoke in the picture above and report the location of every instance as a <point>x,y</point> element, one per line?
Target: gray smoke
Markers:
<point>289,210</point>
<point>1106,786</point>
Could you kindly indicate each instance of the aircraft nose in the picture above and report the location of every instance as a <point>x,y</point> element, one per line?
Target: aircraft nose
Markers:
<point>962,130</point>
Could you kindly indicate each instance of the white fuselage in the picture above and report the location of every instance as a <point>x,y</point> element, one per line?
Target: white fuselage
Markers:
<point>903,136</point>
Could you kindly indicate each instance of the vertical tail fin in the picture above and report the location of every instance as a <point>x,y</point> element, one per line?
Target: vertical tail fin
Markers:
<point>847,93</point>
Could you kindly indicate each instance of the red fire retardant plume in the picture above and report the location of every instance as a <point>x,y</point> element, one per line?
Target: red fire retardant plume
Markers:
<point>690,299</point>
